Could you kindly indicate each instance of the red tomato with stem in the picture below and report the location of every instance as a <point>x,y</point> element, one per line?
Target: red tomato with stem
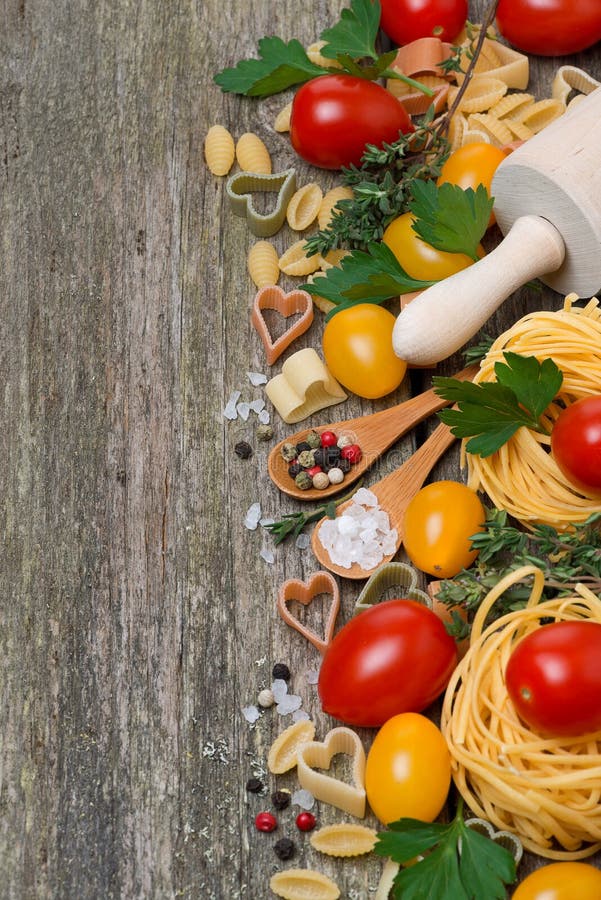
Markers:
<point>576,443</point>
<point>335,116</point>
<point>393,658</point>
<point>554,679</point>
<point>407,20</point>
<point>550,27</point>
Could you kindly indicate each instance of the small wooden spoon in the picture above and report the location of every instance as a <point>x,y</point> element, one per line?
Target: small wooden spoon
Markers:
<point>394,493</point>
<point>374,434</point>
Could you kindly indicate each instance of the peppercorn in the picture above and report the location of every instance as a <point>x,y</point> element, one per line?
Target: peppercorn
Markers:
<point>344,465</point>
<point>302,445</point>
<point>320,456</point>
<point>281,799</point>
<point>313,439</point>
<point>303,481</point>
<point>333,455</point>
<point>266,821</point>
<point>335,476</point>
<point>313,471</point>
<point>352,452</point>
<point>294,468</point>
<point>281,670</point>
<point>305,821</point>
<point>254,786</point>
<point>264,432</point>
<point>306,459</point>
<point>328,439</point>
<point>265,698</point>
<point>321,481</point>
<point>344,440</point>
<point>243,450</point>
<point>288,452</point>
<point>284,848</point>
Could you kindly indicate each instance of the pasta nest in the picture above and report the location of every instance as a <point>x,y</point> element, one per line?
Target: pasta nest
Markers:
<point>522,476</point>
<point>545,790</point>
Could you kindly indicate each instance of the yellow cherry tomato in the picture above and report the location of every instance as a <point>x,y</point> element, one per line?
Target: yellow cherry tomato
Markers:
<point>408,770</point>
<point>561,881</point>
<point>472,165</point>
<point>418,258</point>
<point>357,346</point>
<point>438,524</point>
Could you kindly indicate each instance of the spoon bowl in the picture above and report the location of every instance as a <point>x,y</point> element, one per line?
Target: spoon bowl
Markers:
<point>374,433</point>
<point>394,493</point>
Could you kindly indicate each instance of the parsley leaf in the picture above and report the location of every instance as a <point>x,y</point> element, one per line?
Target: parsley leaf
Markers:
<point>355,34</point>
<point>491,412</point>
<point>450,218</point>
<point>281,65</point>
<point>370,276</point>
<point>458,861</point>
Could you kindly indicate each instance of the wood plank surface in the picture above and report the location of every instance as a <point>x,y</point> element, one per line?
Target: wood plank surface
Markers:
<point>137,616</point>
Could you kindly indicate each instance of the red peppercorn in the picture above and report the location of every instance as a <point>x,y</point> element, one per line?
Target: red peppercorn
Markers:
<point>328,439</point>
<point>314,470</point>
<point>305,821</point>
<point>265,821</point>
<point>352,452</point>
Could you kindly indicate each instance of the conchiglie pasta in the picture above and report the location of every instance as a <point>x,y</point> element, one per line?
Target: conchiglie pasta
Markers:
<point>263,265</point>
<point>253,155</point>
<point>296,262</point>
<point>314,53</point>
<point>304,206</point>
<point>329,202</point>
<point>219,150</point>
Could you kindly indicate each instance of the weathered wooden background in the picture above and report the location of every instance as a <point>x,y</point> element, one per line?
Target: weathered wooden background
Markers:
<point>137,615</point>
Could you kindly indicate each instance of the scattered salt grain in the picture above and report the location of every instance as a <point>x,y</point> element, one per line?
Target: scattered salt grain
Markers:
<point>362,534</point>
<point>300,716</point>
<point>304,799</point>
<point>230,409</point>
<point>267,556</point>
<point>313,676</point>
<point>302,542</point>
<point>257,378</point>
<point>243,410</point>
<point>279,689</point>
<point>253,516</point>
<point>288,704</point>
<point>264,417</point>
<point>257,405</point>
<point>251,714</point>
<point>265,521</point>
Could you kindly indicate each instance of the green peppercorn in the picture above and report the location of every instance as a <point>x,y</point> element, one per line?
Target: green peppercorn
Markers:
<point>303,481</point>
<point>307,459</point>
<point>288,452</point>
<point>314,440</point>
<point>264,432</point>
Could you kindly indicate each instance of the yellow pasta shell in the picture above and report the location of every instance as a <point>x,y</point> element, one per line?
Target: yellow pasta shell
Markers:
<point>539,115</point>
<point>304,206</point>
<point>498,132</point>
<point>282,120</point>
<point>518,129</point>
<point>332,258</point>
<point>400,89</point>
<point>262,262</point>
<point>329,202</point>
<point>480,95</point>
<point>253,155</point>
<point>296,262</point>
<point>304,884</point>
<point>321,303</point>
<point>219,150</point>
<point>473,136</point>
<point>314,53</point>
<point>457,127</point>
<point>282,754</point>
<point>511,105</point>
<point>345,839</point>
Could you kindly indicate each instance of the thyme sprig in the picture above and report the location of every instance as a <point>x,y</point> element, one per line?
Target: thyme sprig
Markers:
<point>292,524</point>
<point>565,558</point>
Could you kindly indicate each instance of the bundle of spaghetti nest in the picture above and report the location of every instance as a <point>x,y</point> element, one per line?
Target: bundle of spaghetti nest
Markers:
<point>546,790</point>
<point>522,476</point>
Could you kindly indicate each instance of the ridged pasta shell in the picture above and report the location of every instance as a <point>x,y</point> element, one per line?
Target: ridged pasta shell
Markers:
<point>541,114</point>
<point>282,754</point>
<point>220,150</point>
<point>320,302</point>
<point>518,129</point>
<point>480,95</point>
<point>313,51</point>
<point>252,154</point>
<point>332,258</point>
<point>282,120</point>
<point>329,202</point>
<point>304,206</point>
<point>296,262</point>
<point>304,884</point>
<point>345,839</point>
<point>511,105</point>
<point>263,266</point>
<point>498,132</point>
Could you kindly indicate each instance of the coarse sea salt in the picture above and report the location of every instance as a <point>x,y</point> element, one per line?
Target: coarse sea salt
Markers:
<point>267,556</point>
<point>303,798</point>
<point>300,715</point>
<point>230,409</point>
<point>362,534</point>
<point>289,704</point>
<point>303,542</point>
<point>243,410</point>
<point>264,417</point>
<point>253,516</point>
<point>257,378</point>
<point>257,405</point>
<point>251,714</point>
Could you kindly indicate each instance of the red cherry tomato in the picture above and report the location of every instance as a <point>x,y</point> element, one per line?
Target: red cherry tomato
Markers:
<point>335,116</point>
<point>393,658</point>
<point>550,27</point>
<point>554,679</point>
<point>407,20</point>
<point>576,443</point>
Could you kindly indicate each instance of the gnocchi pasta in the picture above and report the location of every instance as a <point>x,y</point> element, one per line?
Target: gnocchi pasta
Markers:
<point>252,154</point>
<point>219,150</point>
<point>262,264</point>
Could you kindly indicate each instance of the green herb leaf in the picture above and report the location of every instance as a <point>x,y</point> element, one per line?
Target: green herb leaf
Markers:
<point>485,866</point>
<point>355,34</point>
<point>281,66</point>
<point>450,218</point>
<point>370,276</point>
<point>491,412</point>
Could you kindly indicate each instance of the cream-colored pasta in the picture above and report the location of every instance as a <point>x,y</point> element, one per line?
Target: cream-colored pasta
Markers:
<point>263,266</point>
<point>283,751</point>
<point>282,120</point>
<point>314,53</point>
<point>539,115</point>
<point>304,206</point>
<point>303,884</point>
<point>253,155</point>
<point>329,202</point>
<point>480,95</point>
<point>498,132</point>
<point>220,150</point>
<point>296,262</point>
<point>344,839</point>
<point>511,105</point>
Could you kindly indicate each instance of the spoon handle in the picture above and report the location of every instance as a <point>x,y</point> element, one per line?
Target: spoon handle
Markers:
<point>396,490</point>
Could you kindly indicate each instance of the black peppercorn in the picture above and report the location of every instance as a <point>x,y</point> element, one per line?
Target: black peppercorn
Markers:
<point>284,848</point>
<point>333,455</point>
<point>281,670</point>
<point>294,469</point>
<point>243,450</point>
<point>302,446</point>
<point>281,799</point>
<point>254,785</point>
<point>320,456</point>
<point>344,465</point>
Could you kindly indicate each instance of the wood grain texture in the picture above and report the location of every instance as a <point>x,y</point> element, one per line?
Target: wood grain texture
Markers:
<point>137,617</point>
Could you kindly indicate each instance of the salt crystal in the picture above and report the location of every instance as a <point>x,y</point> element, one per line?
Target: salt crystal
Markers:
<point>303,798</point>
<point>313,676</point>
<point>300,716</point>
<point>267,556</point>
<point>289,704</point>
<point>303,542</point>
<point>251,714</point>
<point>243,410</point>
<point>265,521</point>
<point>363,497</point>
<point>264,417</point>
<point>257,378</point>
<point>230,410</point>
<point>360,535</point>
<point>253,516</point>
<point>348,527</point>
<point>279,689</point>
<point>257,405</point>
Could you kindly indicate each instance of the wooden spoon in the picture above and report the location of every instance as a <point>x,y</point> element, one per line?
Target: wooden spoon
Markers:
<point>394,493</point>
<point>374,434</point>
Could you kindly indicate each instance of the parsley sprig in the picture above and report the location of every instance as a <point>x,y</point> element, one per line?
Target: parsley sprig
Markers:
<point>458,862</point>
<point>491,412</point>
<point>450,218</point>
